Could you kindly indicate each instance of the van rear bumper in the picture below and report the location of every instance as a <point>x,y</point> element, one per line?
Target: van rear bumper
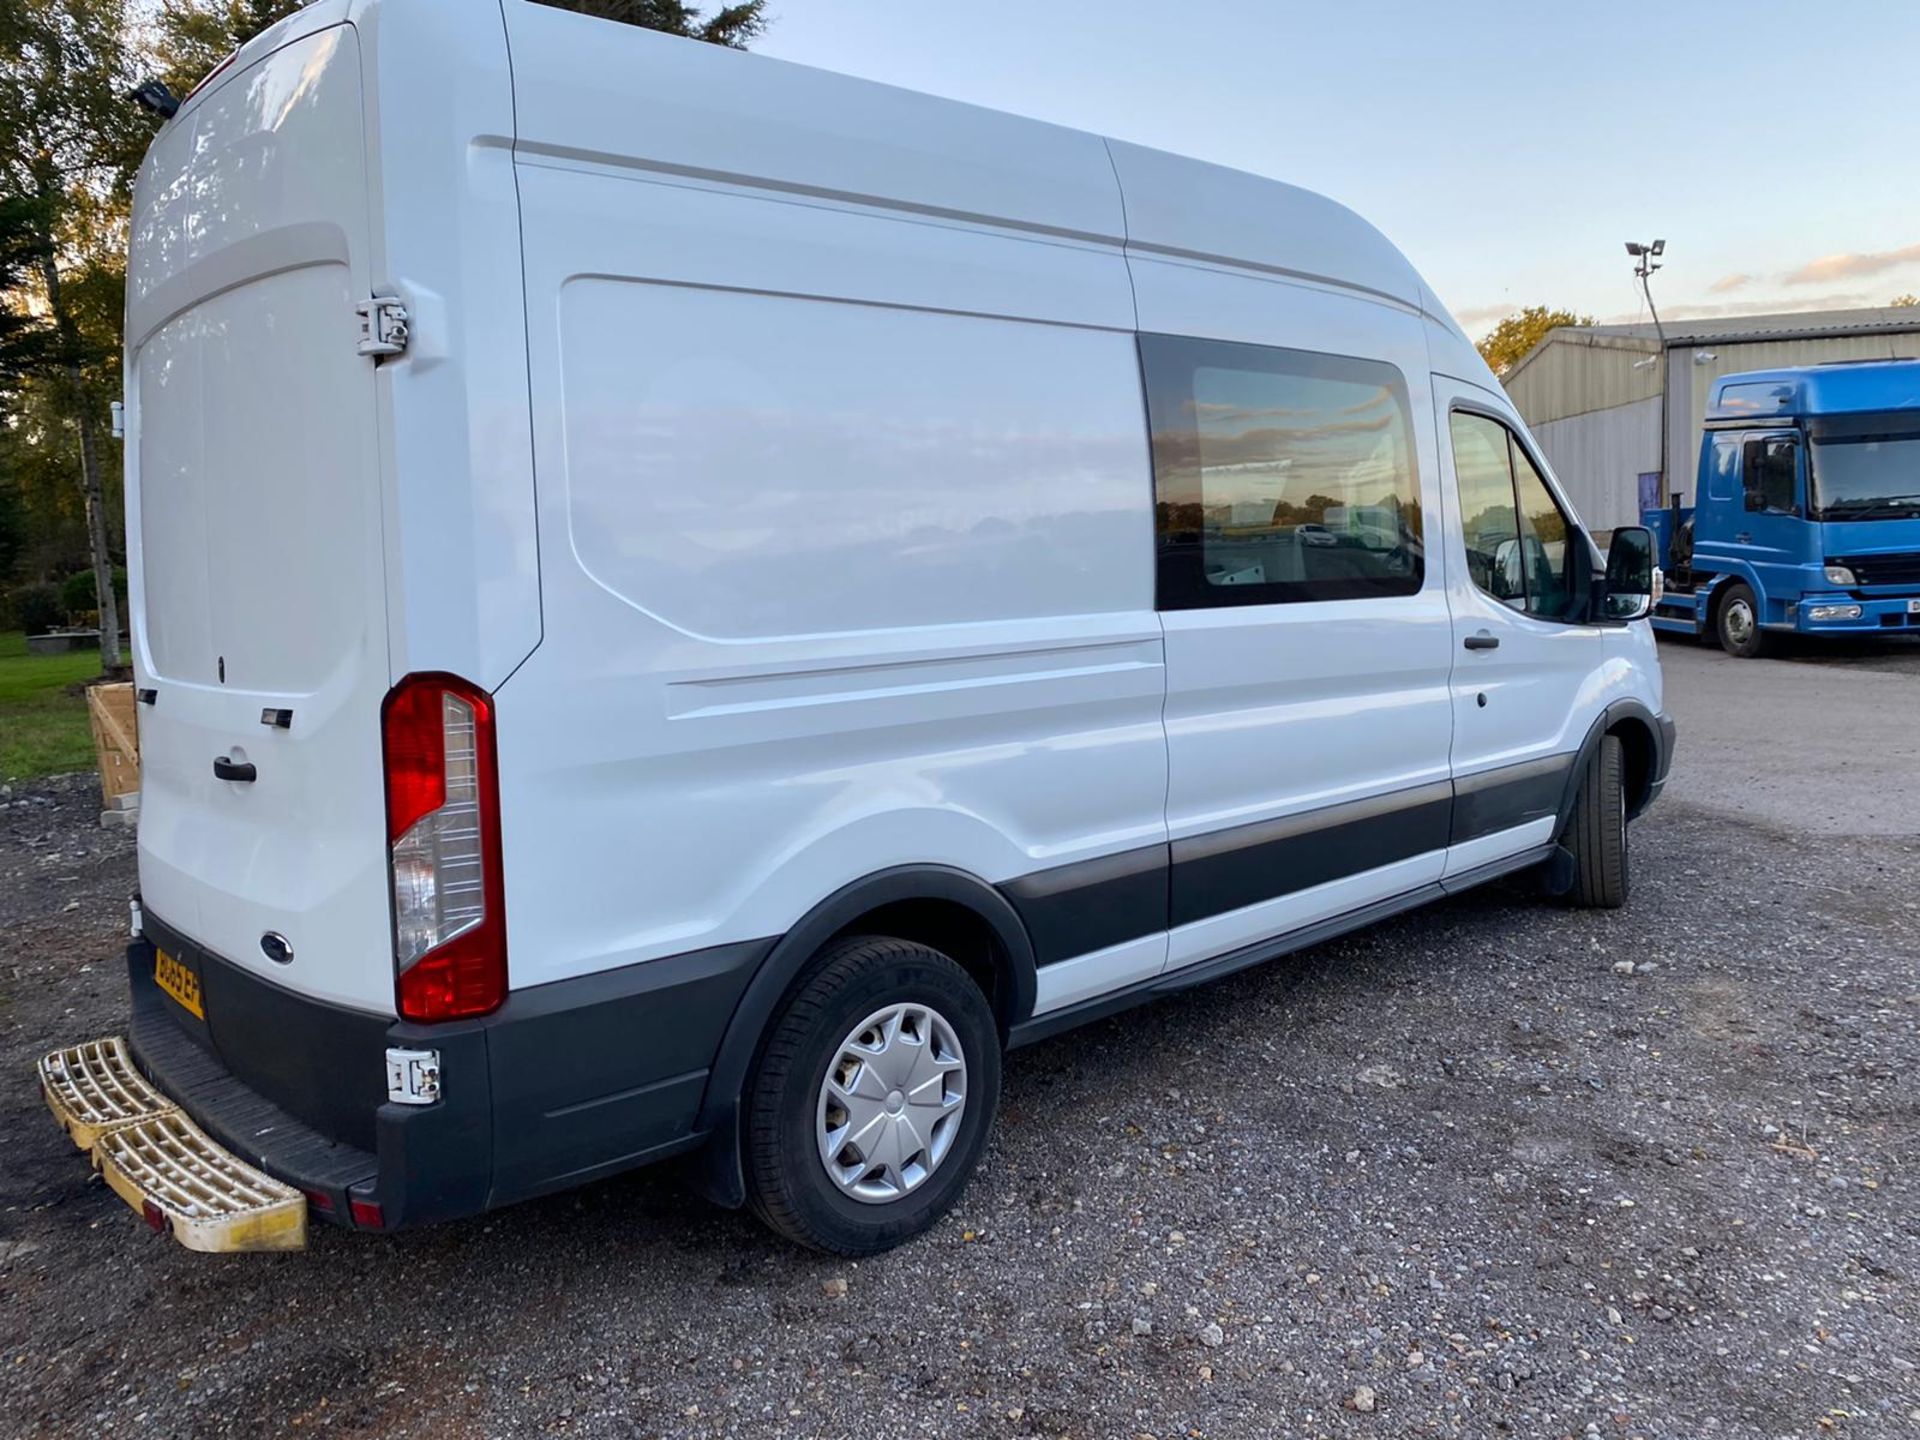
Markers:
<point>416,1164</point>
<point>566,1083</point>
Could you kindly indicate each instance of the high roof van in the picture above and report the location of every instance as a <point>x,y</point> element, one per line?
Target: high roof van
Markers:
<point>685,606</point>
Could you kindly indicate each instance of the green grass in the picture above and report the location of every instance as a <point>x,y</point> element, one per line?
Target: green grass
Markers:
<point>43,729</point>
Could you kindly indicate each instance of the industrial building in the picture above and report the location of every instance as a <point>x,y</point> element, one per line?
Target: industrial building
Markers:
<point>1618,412</point>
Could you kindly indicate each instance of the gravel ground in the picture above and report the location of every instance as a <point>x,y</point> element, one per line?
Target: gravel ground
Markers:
<point>1460,1175</point>
<point>1766,743</point>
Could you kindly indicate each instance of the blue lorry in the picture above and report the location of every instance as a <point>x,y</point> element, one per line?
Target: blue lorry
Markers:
<point>1806,518</point>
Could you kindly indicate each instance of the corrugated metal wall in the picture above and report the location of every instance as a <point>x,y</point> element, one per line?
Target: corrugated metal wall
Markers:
<point>1597,458</point>
<point>1577,374</point>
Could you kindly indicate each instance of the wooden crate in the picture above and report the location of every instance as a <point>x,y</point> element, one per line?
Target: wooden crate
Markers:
<point>116,740</point>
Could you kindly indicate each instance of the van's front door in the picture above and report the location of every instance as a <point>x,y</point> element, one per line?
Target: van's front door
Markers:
<point>1528,676</point>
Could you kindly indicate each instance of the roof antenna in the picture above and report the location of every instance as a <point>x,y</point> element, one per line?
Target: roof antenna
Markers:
<point>155,97</point>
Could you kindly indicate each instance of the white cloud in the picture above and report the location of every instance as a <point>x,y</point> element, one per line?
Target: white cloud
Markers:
<point>1481,314</point>
<point>1852,265</point>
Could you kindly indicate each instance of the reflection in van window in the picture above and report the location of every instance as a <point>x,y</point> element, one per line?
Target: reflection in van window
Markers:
<point>1280,475</point>
<point>1518,540</point>
<point>1545,537</point>
<point>1488,520</point>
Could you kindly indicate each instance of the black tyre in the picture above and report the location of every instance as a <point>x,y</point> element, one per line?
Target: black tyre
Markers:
<point>871,1102</point>
<point>1737,622</point>
<point>1597,833</point>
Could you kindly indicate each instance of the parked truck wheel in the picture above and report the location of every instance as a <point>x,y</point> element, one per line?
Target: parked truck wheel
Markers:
<point>872,1100</point>
<point>1597,832</point>
<point>1737,621</point>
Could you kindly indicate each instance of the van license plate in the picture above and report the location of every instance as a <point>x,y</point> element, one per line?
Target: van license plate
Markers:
<point>179,982</point>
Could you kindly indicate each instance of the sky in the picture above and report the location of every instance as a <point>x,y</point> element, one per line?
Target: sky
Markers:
<point>1510,149</point>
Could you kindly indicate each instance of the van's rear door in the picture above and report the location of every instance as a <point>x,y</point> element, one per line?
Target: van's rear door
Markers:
<point>255,518</point>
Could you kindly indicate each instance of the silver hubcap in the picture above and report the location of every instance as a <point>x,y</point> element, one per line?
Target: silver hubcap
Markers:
<point>1739,621</point>
<point>890,1103</point>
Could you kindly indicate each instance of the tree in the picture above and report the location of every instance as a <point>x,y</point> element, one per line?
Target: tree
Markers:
<point>23,335</point>
<point>68,143</point>
<point>1904,302</point>
<point>1514,336</point>
<point>731,25</point>
<point>23,352</point>
<point>193,36</point>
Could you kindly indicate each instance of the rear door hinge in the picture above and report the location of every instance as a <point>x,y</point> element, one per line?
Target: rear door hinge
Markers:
<point>413,1076</point>
<point>383,326</point>
<point>117,413</point>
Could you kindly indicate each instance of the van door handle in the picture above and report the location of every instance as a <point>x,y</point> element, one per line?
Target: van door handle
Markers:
<point>1745,537</point>
<point>241,772</point>
<point>1483,641</point>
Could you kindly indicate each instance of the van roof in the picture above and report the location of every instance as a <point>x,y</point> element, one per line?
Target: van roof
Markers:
<point>1190,209</point>
<point>713,113</point>
<point>1845,388</point>
<point>718,114</point>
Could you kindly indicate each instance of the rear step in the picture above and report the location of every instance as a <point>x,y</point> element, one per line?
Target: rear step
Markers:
<point>160,1162</point>
<point>94,1088</point>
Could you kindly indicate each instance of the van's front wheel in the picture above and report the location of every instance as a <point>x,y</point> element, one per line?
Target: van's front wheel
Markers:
<point>872,1100</point>
<point>1597,831</point>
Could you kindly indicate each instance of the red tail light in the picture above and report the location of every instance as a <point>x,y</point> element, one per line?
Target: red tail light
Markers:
<point>367,1214</point>
<point>443,836</point>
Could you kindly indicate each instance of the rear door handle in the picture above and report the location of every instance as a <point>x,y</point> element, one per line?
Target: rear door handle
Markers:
<point>1483,641</point>
<point>240,772</point>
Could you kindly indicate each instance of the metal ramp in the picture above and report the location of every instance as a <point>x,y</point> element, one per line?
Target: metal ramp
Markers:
<point>161,1163</point>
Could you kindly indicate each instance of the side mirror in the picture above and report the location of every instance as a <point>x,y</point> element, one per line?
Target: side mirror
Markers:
<point>1633,580</point>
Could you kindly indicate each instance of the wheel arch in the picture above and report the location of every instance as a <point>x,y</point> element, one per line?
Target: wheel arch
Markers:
<point>1640,737</point>
<point>936,905</point>
<point>1724,581</point>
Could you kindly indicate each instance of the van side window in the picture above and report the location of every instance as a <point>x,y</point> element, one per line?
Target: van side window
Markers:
<point>1770,465</point>
<point>1279,475</point>
<point>1520,544</point>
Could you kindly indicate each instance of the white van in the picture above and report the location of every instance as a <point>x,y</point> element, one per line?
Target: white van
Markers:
<point>684,604</point>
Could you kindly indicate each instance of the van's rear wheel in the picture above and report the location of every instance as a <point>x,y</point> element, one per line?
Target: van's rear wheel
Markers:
<point>1597,832</point>
<point>1738,622</point>
<point>872,1100</point>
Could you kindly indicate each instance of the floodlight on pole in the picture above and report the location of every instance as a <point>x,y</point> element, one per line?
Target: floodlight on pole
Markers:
<point>1647,261</point>
<point>1648,256</point>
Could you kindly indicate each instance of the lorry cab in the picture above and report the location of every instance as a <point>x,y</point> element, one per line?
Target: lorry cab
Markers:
<point>683,604</point>
<point>1807,512</point>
